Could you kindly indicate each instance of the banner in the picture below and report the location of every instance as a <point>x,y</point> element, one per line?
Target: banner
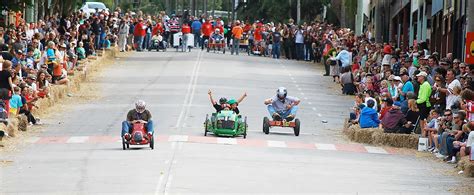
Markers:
<point>470,48</point>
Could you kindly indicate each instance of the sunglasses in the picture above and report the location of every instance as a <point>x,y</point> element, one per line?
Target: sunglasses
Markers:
<point>447,114</point>
<point>438,80</point>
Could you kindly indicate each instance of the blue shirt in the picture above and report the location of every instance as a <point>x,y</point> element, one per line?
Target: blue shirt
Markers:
<point>15,101</point>
<point>196,25</point>
<point>407,87</point>
<point>345,57</point>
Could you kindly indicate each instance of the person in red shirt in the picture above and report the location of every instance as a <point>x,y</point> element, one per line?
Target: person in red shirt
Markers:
<point>206,31</point>
<point>158,29</point>
<point>257,36</point>
<point>139,33</point>
<point>186,30</point>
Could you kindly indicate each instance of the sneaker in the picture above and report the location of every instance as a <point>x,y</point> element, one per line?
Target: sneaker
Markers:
<point>438,155</point>
<point>435,150</point>
<point>431,149</point>
<point>276,117</point>
<point>452,161</point>
<point>290,117</point>
<point>38,123</point>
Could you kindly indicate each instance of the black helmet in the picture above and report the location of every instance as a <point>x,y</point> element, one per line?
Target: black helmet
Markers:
<point>281,93</point>
<point>223,100</point>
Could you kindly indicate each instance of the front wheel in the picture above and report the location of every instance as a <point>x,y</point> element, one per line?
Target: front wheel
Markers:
<point>124,144</point>
<point>152,143</point>
<point>266,125</point>
<point>206,125</point>
<point>296,129</point>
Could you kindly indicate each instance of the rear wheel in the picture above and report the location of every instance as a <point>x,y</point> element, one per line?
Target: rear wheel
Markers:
<point>296,129</point>
<point>266,125</point>
<point>206,125</point>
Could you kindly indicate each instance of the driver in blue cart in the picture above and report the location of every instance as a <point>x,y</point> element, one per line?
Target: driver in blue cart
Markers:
<point>137,115</point>
<point>281,106</point>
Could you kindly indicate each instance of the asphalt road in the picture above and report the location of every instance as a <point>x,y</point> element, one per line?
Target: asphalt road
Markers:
<point>79,151</point>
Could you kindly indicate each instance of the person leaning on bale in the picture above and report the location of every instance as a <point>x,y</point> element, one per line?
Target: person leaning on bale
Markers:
<point>368,116</point>
<point>394,121</point>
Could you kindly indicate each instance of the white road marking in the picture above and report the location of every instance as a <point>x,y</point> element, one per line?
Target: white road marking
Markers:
<point>168,184</point>
<point>276,144</point>
<point>32,139</point>
<point>305,98</point>
<point>375,150</point>
<point>78,139</point>
<point>289,74</point>
<point>230,141</point>
<point>292,78</point>
<point>310,103</point>
<point>178,138</point>
<point>299,89</point>
<point>167,161</point>
<point>297,85</point>
<point>319,114</point>
<point>325,146</point>
<point>314,108</point>
<point>189,92</point>
<point>160,182</point>
<point>302,94</point>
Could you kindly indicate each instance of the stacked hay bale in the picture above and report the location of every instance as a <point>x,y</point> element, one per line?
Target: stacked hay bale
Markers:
<point>467,166</point>
<point>376,136</point>
<point>22,122</point>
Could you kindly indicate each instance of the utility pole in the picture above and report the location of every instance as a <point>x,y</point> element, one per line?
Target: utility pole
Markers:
<point>298,12</point>
<point>289,9</point>
<point>205,8</point>
<point>233,9</point>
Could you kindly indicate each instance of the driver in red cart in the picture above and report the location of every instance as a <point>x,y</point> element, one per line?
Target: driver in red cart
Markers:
<point>137,115</point>
<point>281,106</point>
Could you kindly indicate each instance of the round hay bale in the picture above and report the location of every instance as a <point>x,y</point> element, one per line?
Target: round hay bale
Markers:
<point>467,166</point>
<point>22,122</point>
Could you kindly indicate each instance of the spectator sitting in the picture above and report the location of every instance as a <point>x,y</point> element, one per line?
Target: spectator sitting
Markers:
<point>465,147</point>
<point>368,116</point>
<point>394,121</point>
<point>386,106</point>
<point>413,112</point>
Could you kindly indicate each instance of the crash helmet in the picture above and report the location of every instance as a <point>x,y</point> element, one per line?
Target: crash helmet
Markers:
<point>140,106</point>
<point>217,30</point>
<point>281,93</point>
<point>223,100</point>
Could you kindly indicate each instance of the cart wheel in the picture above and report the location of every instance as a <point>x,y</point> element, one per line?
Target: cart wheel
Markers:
<point>266,125</point>
<point>296,129</point>
<point>189,48</point>
<point>223,50</point>
<point>152,143</point>
<point>123,144</point>
<point>206,124</point>
<point>208,49</point>
<point>128,145</point>
<point>245,128</point>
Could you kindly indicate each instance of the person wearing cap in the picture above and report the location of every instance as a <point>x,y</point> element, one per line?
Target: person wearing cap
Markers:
<point>407,86</point>
<point>196,26</point>
<point>368,116</point>
<point>387,104</point>
<point>394,121</point>
<point>237,32</point>
<point>423,101</point>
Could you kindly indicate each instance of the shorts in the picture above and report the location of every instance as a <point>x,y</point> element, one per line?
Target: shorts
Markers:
<point>56,78</point>
<point>424,111</point>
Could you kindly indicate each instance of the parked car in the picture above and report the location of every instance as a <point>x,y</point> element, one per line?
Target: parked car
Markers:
<point>89,7</point>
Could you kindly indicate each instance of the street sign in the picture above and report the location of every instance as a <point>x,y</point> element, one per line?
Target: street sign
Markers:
<point>470,48</point>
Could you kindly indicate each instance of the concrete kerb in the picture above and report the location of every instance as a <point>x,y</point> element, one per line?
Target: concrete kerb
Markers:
<point>58,92</point>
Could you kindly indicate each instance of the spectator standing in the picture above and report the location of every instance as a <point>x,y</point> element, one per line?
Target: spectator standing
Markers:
<point>237,33</point>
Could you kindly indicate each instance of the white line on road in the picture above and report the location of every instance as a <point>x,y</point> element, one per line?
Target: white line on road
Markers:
<point>190,92</point>
<point>310,103</point>
<point>276,144</point>
<point>299,89</point>
<point>292,78</point>
<point>168,184</point>
<point>302,94</point>
<point>160,182</point>
<point>305,98</point>
<point>325,146</point>
<point>314,109</point>
<point>375,150</point>
<point>178,138</point>
<point>319,114</point>
<point>78,139</point>
<point>230,141</point>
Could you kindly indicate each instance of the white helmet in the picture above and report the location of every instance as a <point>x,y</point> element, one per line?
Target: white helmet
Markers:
<point>218,30</point>
<point>281,93</point>
<point>140,106</point>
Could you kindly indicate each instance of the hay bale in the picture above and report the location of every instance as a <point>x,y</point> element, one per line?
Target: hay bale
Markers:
<point>22,122</point>
<point>467,166</point>
<point>395,140</point>
<point>12,126</point>
<point>366,135</point>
